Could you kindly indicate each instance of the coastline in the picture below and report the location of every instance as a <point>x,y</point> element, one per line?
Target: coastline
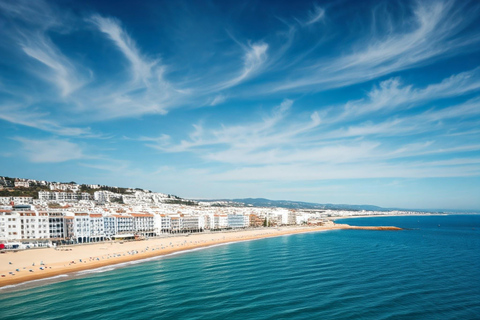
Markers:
<point>30,265</point>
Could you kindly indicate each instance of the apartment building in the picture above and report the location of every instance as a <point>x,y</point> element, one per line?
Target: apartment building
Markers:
<point>220,221</point>
<point>57,225</point>
<point>109,226</point>
<point>63,196</point>
<point>124,224</point>
<point>34,225</point>
<point>21,200</point>
<point>190,223</point>
<point>97,228</point>
<point>144,224</point>
<point>163,223</point>
<point>236,221</point>
<point>175,224</point>
<point>22,184</point>
<point>9,225</point>
<point>81,227</point>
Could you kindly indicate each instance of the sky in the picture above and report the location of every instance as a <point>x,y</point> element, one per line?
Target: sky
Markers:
<point>355,102</point>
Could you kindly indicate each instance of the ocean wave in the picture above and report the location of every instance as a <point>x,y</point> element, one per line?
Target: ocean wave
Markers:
<point>30,282</point>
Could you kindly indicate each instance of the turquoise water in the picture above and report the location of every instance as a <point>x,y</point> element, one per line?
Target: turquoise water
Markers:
<point>431,271</point>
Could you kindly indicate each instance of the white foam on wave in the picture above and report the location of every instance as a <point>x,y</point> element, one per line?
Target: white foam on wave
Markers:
<point>133,262</point>
<point>159,257</point>
<point>96,270</point>
<point>27,283</point>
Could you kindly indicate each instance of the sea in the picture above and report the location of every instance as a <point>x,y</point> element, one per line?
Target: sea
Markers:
<point>429,270</point>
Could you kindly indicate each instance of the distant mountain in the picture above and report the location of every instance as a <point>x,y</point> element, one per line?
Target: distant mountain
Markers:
<point>261,202</point>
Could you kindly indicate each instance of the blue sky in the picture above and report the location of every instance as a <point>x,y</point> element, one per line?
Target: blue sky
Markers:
<point>329,101</point>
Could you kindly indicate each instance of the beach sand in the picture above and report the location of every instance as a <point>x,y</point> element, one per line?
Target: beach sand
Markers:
<point>34,264</point>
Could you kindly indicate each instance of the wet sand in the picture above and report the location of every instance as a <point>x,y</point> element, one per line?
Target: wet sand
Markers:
<point>34,264</point>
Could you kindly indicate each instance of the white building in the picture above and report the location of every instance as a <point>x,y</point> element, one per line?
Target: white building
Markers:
<point>144,224</point>
<point>288,217</point>
<point>34,225</point>
<point>22,200</point>
<point>97,228</point>
<point>5,200</point>
<point>236,221</point>
<point>81,227</point>
<point>175,224</point>
<point>109,226</point>
<point>204,222</point>
<point>57,225</point>
<point>190,223</point>
<point>65,186</point>
<point>246,220</point>
<point>302,218</point>
<point>103,196</point>
<point>220,221</point>
<point>9,225</point>
<point>63,196</point>
<point>124,225</point>
<point>22,184</point>
<point>162,223</point>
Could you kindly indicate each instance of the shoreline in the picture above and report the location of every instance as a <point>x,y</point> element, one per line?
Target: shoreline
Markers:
<point>47,263</point>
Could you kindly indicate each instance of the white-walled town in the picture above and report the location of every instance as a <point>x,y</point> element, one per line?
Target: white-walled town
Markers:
<point>69,213</point>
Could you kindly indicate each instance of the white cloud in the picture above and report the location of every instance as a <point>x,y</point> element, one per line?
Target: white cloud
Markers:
<point>32,37</point>
<point>63,73</point>
<point>248,136</point>
<point>38,13</point>
<point>283,144</point>
<point>219,99</point>
<point>142,67</point>
<point>432,33</point>
<point>51,150</point>
<point>391,95</point>
<point>148,89</point>
<point>340,141</point>
<point>39,121</point>
<point>255,57</point>
<point>318,14</point>
<point>345,171</point>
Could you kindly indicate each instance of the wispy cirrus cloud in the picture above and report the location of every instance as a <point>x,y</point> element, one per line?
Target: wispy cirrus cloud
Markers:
<point>433,32</point>
<point>393,95</point>
<point>427,121</point>
<point>320,143</point>
<point>270,131</point>
<point>41,121</point>
<point>150,89</point>
<point>254,59</point>
<point>142,67</point>
<point>31,37</point>
<point>60,70</point>
<point>347,171</point>
<point>50,150</point>
<point>316,15</point>
<point>193,89</point>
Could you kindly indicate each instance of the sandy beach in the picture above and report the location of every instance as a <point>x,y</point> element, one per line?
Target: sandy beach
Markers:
<point>34,264</point>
